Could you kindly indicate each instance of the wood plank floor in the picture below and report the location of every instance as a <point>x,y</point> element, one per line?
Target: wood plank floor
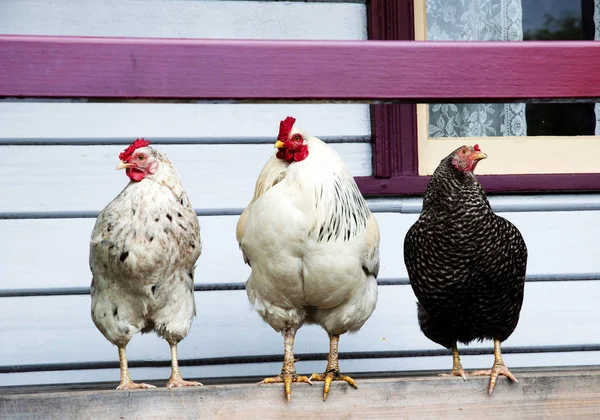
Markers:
<point>565,393</point>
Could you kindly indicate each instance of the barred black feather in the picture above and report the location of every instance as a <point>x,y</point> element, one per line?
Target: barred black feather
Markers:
<point>466,264</point>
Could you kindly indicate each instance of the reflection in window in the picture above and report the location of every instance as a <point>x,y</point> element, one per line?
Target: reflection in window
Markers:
<point>512,20</point>
<point>548,20</point>
<point>555,20</point>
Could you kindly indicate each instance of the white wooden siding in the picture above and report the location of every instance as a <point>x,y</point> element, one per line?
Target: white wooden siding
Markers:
<point>560,243</point>
<point>57,329</point>
<point>108,123</point>
<point>185,19</point>
<point>83,178</point>
<point>58,161</point>
<point>161,374</point>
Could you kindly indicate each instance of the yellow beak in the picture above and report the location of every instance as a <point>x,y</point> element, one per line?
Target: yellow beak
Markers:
<point>278,144</point>
<point>123,165</point>
<point>479,156</point>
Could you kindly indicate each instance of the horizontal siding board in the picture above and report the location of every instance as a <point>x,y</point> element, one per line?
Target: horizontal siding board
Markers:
<point>67,178</point>
<point>185,19</point>
<point>60,249</point>
<point>260,370</point>
<point>59,329</point>
<point>500,203</point>
<point>110,123</point>
<point>306,357</point>
<point>407,205</point>
<point>340,70</point>
<point>210,287</point>
<point>65,264</point>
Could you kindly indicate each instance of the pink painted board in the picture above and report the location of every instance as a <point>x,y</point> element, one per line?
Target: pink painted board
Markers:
<point>34,66</point>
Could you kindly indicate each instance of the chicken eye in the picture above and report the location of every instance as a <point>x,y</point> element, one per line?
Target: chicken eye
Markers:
<point>297,137</point>
<point>141,157</point>
<point>464,151</point>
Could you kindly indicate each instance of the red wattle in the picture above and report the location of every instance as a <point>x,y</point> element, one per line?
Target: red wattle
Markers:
<point>135,174</point>
<point>301,154</point>
<point>297,154</point>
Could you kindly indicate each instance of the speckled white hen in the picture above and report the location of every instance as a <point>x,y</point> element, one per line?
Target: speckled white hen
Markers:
<point>313,246</point>
<point>142,254</point>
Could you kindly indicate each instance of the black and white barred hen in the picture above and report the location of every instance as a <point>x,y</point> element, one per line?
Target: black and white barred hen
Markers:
<point>142,254</point>
<point>466,264</point>
<point>313,246</point>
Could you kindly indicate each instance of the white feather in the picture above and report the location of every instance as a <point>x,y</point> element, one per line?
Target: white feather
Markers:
<point>312,244</point>
<point>142,254</point>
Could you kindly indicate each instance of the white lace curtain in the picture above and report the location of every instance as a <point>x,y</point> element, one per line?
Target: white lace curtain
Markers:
<point>475,20</point>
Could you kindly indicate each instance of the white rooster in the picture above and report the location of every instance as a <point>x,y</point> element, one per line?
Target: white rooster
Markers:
<point>142,254</point>
<point>313,247</point>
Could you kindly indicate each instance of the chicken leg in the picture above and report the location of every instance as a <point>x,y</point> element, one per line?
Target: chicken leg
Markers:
<point>457,369</point>
<point>288,371</point>
<point>332,373</point>
<point>126,382</point>
<point>499,368</point>
<point>176,381</point>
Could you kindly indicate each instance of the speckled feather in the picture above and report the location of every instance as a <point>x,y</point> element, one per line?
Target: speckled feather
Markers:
<point>312,243</point>
<point>143,249</point>
<point>466,264</point>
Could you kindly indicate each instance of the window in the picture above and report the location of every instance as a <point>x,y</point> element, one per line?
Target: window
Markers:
<point>527,156</point>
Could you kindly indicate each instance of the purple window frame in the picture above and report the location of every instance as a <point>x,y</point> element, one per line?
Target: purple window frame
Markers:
<point>394,131</point>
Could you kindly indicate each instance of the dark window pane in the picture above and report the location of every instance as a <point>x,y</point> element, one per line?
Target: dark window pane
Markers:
<point>560,119</point>
<point>547,20</point>
<point>555,20</point>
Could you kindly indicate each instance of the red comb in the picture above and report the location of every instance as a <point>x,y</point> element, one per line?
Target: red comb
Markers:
<point>285,127</point>
<point>476,147</point>
<point>138,143</point>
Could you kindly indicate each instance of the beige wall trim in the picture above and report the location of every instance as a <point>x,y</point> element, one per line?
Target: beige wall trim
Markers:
<point>519,155</point>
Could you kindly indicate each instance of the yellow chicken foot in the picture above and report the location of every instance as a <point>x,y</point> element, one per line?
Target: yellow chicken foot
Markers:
<point>287,379</point>
<point>288,371</point>
<point>126,382</point>
<point>332,373</point>
<point>176,381</point>
<point>499,368</point>
<point>457,369</point>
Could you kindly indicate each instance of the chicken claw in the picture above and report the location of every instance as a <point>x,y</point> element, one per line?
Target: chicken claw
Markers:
<point>493,373</point>
<point>126,382</point>
<point>288,371</point>
<point>332,373</point>
<point>287,379</point>
<point>132,385</point>
<point>499,368</point>
<point>176,381</point>
<point>456,372</point>
<point>180,382</point>
<point>329,377</point>
<point>457,369</point>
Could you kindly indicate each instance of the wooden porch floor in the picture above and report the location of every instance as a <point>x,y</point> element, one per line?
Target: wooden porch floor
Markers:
<point>564,394</point>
